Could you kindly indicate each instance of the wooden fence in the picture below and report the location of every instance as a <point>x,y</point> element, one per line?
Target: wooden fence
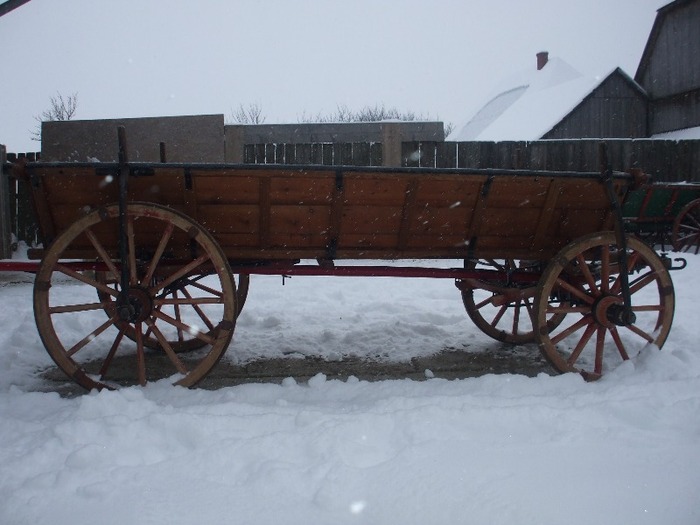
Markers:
<point>665,160</point>
<point>325,153</point>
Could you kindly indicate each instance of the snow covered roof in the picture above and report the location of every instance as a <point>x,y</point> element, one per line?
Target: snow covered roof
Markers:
<point>679,134</point>
<point>528,104</point>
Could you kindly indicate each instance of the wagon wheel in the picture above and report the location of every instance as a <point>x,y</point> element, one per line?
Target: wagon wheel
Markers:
<point>583,281</point>
<point>502,310</point>
<point>179,339</point>
<point>686,228</point>
<point>164,246</point>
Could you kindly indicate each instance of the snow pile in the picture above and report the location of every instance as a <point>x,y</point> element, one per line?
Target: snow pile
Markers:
<point>498,449</point>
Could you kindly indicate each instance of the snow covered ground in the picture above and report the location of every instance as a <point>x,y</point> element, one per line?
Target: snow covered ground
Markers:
<point>498,449</point>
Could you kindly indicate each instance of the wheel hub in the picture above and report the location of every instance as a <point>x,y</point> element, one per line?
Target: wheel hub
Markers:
<point>610,311</point>
<point>136,307</point>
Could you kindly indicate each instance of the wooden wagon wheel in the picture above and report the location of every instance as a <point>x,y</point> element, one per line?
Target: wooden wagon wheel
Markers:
<point>179,339</point>
<point>164,246</point>
<point>686,228</point>
<point>583,281</point>
<point>502,311</point>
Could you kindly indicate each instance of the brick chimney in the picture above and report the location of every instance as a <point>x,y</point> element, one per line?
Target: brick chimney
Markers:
<point>542,58</point>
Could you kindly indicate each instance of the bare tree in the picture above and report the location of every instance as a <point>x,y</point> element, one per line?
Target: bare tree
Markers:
<point>376,113</point>
<point>61,108</point>
<point>251,114</point>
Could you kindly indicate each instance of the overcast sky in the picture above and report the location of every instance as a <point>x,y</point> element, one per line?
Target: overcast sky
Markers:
<point>295,58</point>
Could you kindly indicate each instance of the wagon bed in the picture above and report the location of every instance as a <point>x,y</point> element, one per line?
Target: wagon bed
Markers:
<point>288,212</point>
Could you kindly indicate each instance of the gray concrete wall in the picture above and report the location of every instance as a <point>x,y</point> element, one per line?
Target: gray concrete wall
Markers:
<point>198,138</point>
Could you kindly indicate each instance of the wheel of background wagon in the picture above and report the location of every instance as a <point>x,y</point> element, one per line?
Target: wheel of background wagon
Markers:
<point>188,287</point>
<point>164,247</point>
<point>502,311</point>
<point>686,229</point>
<point>583,282</point>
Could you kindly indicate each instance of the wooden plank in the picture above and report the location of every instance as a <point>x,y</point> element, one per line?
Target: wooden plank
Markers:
<point>327,154</point>
<point>376,154</point>
<point>336,217</point>
<point>426,158</point>
<point>410,154</point>
<point>546,215</point>
<point>360,154</point>
<point>407,213</point>
<point>288,221</point>
<point>229,186</point>
<point>473,221</point>
<point>5,229</point>
<point>367,189</point>
<point>265,210</point>
<point>345,154</point>
<point>446,154</point>
<point>301,189</point>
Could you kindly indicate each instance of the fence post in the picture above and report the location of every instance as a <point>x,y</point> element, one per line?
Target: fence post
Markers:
<point>5,241</point>
<point>391,143</point>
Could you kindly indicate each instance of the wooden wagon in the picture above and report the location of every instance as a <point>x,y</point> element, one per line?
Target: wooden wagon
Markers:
<point>665,214</point>
<point>153,260</point>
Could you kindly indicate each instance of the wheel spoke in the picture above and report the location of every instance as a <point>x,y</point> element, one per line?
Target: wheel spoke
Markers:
<point>84,279</point>
<point>642,281</point>
<point>158,253</point>
<point>641,333</point>
<point>568,309</point>
<point>191,300</point>
<point>110,355</point>
<point>581,344</point>
<point>70,308</point>
<point>133,279</point>
<point>605,269</point>
<point>180,273</point>
<point>618,342</point>
<point>599,350</point>
<point>488,300</point>
<point>631,261</point>
<point>587,319</point>
<point>101,251</point>
<point>578,292</point>
<point>140,354</point>
<point>178,317</point>
<point>516,317</point>
<point>91,336</point>
<point>207,289</point>
<point>199,311</point>
<point>199,334</point>
<point>499,315</point>
<point>647,308</point>
<point>179,365</point>
<point>587,275</point>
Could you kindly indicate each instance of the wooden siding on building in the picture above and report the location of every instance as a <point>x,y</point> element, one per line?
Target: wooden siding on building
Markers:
<point>669,65</point>
<point>616,108</point>
<point>677,112</point>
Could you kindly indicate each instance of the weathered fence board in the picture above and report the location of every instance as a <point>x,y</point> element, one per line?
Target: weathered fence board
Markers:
<point>5,228</point>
